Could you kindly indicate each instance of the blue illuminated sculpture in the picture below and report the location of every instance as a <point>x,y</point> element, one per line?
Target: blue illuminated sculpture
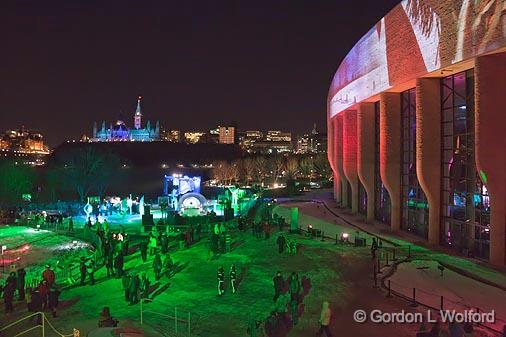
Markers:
<point>184,195</point>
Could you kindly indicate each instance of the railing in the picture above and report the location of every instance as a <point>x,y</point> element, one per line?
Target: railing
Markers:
<point>179,321</point>
<point>42,323</point>
<point>19,321</point>
<point>430,300</point>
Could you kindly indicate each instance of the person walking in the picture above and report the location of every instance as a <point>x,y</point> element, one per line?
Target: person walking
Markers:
<point>164,243</point>
<point>90,270</point>
<point>374,248</point>
<point>279,284</point>
<point>168,265</point>
<point>294,311</point>
<point>82,269</point>
<point>43,290</point>
<point>144,286</point>
<point>221,281</point>
<point>21,273</point>
<point>118,265</point>
<point>152,244</point>
<point>294,287</point>
<point>281,307</point>
<point>52,300</point>
<point>125,282</point>
<point>109,264</point>
<point>143,247</point>
<point>281,241</point>
<point>324,321</point>
<point>71,224</point>
<point>134,289</point>
<point>157,266</point>
<point>233,279</point>
<point>267,230</point>
<point>49,276</point>
<point>12,279</point>
<point>9,290</point>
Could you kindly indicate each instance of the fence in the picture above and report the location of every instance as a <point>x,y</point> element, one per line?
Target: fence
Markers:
<point>33,322</point>
<point>430,300</point>
<point>173,322</point>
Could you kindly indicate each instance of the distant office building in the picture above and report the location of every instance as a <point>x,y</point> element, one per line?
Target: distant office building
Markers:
<point>227,135</point>
<point>274,141</point>
<point>119,131</point>
<point>314,142</point>
<point>172,136</point>
<point>271,147</point>
<point>254,134</point>
<point>303,144</point>
<point>248,138</point>
<point>213,136</point>
<point>194,137</point>
<point>278,136</point>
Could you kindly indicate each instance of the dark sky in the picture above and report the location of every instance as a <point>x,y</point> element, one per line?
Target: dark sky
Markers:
<point>265,64</point>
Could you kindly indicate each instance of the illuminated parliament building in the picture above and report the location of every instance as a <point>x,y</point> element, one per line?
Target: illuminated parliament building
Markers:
<point>416,125</point>
<point>119,131</point>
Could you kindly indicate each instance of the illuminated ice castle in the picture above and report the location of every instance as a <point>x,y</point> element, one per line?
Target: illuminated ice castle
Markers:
<point>120,132</point>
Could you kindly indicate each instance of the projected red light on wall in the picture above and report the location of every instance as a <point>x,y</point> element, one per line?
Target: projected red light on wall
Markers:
<point>415,38</point>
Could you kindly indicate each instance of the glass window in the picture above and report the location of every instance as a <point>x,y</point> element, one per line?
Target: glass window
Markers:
<point>362,199</point>
<point>381,197</point>
<point>415,214</point>
<point>465,202</point>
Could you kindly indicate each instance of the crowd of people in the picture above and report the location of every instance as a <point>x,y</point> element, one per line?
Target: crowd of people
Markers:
<point>43,296</point>
<point>219,240</point>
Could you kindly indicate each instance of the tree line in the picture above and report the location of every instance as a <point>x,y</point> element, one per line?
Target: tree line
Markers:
<point>274,168</point>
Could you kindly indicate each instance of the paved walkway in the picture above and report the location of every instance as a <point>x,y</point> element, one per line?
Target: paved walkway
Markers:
<point>480,278</point>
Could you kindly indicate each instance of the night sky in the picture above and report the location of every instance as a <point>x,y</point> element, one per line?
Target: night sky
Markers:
<point>264,64</point>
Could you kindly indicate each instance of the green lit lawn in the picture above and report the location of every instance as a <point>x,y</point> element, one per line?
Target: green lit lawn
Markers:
<point>194,288</point>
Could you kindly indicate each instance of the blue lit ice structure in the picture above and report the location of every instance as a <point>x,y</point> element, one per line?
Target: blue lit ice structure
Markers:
<point>192,204</point>
<point>88,209</point>
<point>184,194</point>
<point>181,184</point>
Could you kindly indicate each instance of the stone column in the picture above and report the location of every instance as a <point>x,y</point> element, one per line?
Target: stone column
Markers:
<point>390,152</point>
<point>365,153</point>
<point>339,160</point>
<point>490,144</point>
<point>428,149</point>
<point>350,155</point>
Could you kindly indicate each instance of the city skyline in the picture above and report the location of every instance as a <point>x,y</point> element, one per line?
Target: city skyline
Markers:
<point>85,62</point>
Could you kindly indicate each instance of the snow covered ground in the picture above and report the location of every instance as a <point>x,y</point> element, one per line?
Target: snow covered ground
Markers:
<point>459,292</point>
<point>31,249</point>
<point>341,274</point>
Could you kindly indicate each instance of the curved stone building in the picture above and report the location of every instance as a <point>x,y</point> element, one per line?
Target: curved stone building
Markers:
<point>417,124</point>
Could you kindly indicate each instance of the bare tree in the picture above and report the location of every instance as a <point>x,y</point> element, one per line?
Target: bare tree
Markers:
<point>219,172</point>
<point>86,170</point>
<point>249,168</point>
<point>261,167</point>
<point>291,168</point>
<point>322,166</point>
<point>306,166</point>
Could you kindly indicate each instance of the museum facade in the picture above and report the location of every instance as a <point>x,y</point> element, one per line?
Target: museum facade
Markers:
<point>417,126</point>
